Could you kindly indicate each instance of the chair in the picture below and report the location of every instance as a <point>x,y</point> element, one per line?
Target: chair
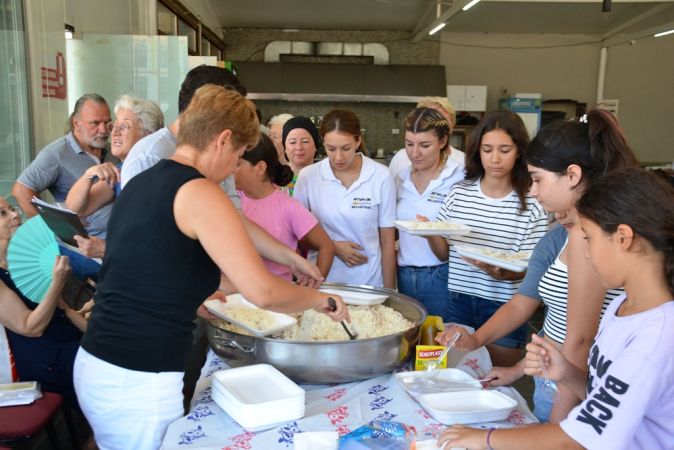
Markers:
<point>22,422</point>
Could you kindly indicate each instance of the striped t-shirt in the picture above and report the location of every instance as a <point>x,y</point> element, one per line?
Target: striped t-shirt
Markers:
<point>553,289</point>
<point>496,224</point>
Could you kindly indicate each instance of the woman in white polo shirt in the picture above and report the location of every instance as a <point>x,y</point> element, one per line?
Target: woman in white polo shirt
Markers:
<point>354,199</point>
<point>421,191</point>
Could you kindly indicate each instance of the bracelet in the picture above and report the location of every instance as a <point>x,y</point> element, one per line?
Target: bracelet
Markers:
<point>491,430</point>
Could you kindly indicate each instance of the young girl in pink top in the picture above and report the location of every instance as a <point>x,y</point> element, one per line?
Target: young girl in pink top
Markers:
<point>258,177</point>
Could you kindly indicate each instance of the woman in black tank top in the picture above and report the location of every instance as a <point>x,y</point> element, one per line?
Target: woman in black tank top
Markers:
<point>171,234</point>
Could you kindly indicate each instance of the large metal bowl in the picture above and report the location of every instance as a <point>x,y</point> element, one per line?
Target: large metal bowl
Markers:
<point>327,362</point>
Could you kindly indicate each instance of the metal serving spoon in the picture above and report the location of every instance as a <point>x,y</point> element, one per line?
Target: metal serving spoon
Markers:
<point>332,304</point>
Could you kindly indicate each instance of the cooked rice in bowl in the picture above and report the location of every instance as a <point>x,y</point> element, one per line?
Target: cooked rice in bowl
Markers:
<point>367,321</point>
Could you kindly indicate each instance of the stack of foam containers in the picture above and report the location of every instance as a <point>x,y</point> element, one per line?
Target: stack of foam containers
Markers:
<point>258,397</point>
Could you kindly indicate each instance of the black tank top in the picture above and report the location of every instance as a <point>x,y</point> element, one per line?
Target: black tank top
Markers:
<point>152,280</point>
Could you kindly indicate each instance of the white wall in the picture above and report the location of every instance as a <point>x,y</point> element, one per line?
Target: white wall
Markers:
<point>640,76</point>
<point>568,72</point>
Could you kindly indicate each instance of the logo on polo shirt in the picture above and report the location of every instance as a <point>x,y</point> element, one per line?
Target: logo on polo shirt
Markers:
<point>436,197</point>
<point>361,203</point>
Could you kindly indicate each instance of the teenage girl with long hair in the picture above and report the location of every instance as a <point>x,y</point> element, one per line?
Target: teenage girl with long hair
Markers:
<point>493,201</point>
<point>354,199</point>
<point>421,189</point>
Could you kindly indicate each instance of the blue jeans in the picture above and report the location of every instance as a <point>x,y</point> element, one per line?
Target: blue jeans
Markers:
<point>475,311</point>
<point>543,401</point>
<point>426,284</point>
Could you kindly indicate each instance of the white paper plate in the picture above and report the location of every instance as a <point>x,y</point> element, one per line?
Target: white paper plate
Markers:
<point>517,262</point>
<point>257,383</point>
<point>432,228</point>
<point>220,309</point>
<point>417,383</point>
<point>357,298</point>
<point>464,407</point>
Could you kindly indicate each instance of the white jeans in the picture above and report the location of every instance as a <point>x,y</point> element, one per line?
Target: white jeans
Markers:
<point>126,409</point>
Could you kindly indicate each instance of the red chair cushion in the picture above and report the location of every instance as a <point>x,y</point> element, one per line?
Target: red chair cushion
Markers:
<point>17,422</point>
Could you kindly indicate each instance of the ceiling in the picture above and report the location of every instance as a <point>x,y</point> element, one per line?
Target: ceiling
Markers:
<point>418,16</point>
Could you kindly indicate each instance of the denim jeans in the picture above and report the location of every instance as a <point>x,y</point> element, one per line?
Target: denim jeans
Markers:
<point>475,311</point>
<point>543,401</point>
<point>426,284</point>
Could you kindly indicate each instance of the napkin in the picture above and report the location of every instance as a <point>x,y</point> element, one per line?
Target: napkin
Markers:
<point>316,440</point>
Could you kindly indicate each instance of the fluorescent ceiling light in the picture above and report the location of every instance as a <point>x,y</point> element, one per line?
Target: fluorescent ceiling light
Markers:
<point>437,28</point>
<point>664,33</point>
<point>470,5</point>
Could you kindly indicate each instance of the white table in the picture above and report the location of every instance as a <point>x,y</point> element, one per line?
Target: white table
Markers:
<point>341,408</point>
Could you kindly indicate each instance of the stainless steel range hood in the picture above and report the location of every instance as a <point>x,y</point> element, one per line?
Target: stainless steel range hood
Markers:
<point>341,82</point>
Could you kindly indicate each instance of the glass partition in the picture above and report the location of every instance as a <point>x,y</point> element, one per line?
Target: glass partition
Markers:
<point>14,103</point>
<point>151,67</point>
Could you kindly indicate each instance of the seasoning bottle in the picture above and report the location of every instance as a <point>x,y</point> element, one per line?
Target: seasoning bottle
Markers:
<point>429,329</point>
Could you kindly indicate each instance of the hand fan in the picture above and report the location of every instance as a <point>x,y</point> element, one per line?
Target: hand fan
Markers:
<point>30,258</point>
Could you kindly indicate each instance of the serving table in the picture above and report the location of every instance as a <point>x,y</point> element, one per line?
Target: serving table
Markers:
<point>341,408</point>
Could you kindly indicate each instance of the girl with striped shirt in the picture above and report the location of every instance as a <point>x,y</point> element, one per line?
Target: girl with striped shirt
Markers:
<point>493,202</point>
<point>564,159</point>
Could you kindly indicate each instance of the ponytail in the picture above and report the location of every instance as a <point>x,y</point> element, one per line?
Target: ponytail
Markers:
<point>277,173</point>
<point>282,175</point>
<point>598,147</point>
<point>608,146</point>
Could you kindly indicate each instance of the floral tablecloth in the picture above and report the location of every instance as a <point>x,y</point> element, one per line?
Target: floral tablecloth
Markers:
<point>340,408</point>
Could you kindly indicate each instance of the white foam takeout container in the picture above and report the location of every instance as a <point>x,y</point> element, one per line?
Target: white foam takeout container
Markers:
<point>428,228</point>
<point>357,298</point>
<point>465,407</point>
<point>417,382</point>
<point>258,396</point>
<point>220,309</point>
<point>476,253</point>
<point>253,421</point>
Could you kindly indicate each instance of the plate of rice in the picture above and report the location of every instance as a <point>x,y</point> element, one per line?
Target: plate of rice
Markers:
<point>436,228</point>
<point>242,313</point>
<point>513,261</point>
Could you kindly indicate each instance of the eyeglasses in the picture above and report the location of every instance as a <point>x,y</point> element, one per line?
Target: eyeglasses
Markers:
<point>122,127</point>
<point>4,212</point>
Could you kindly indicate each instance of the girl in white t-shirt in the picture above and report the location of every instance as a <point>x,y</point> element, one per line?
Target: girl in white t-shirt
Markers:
<point>421,189</point>
<point>353,198</point>
<point>627,220</point>
<point>494,202</point>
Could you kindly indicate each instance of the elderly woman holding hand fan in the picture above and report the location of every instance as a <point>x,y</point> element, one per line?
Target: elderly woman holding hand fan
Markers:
<point>42,337</point>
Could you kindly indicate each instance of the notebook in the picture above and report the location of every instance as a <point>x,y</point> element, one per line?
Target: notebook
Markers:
<point>62,221</point>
